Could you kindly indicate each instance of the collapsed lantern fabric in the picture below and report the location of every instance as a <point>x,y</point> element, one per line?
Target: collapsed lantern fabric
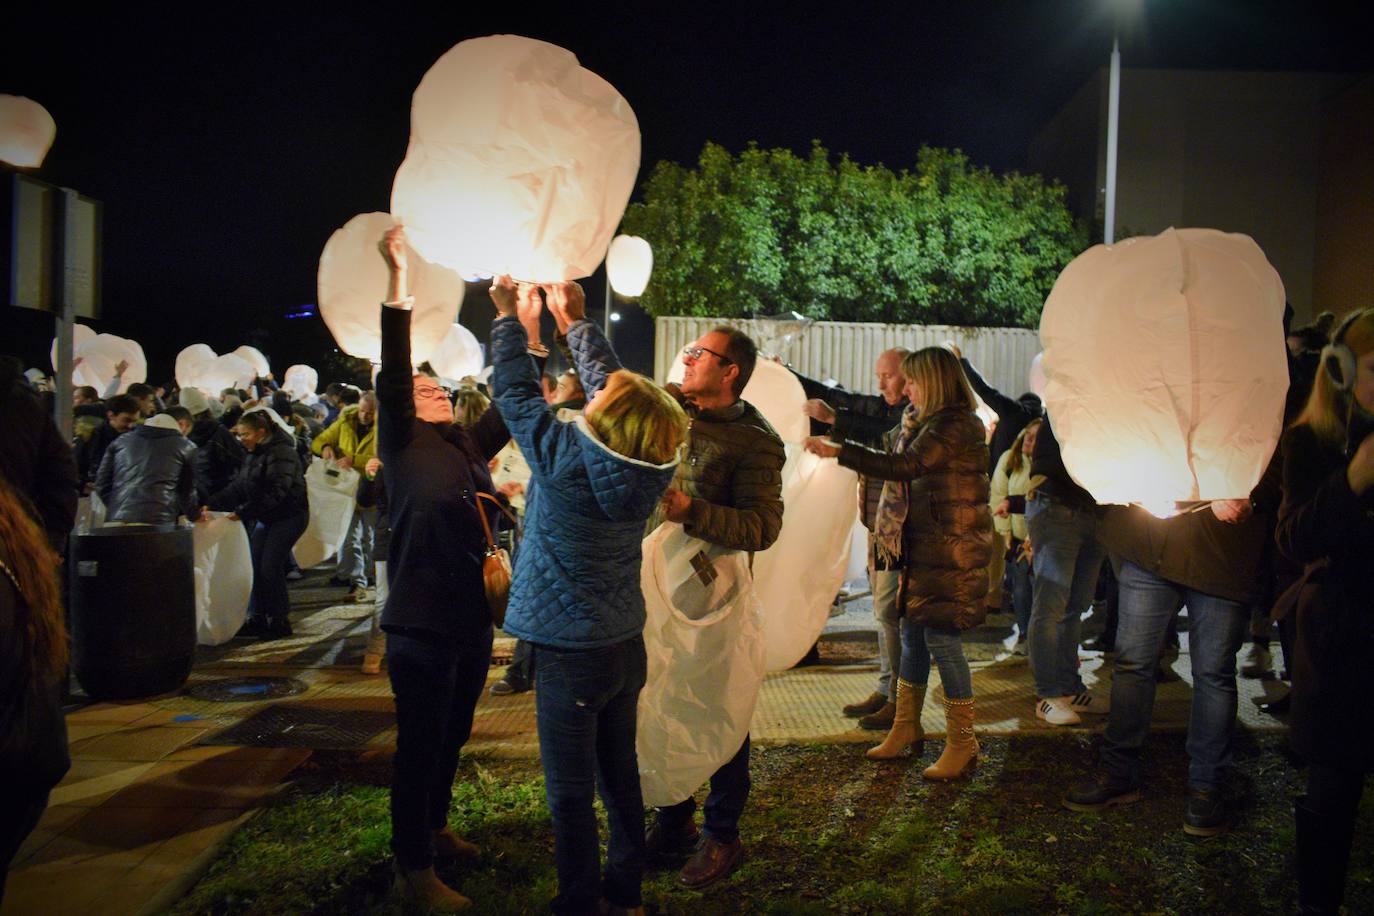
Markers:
<point>1165,367</point>
<point>332,493</point>
<point>520,161</point>
<point>798,577</point>
<point>300,382</point>
<point>224,579</point>
<point>458,355</point>
<point>705,653</point>
<point>99,354</point>
<point>198,366</point>
<point>26,132</point>
<point>353,281</point>
<point>777,394</point>
<point>629,263</point>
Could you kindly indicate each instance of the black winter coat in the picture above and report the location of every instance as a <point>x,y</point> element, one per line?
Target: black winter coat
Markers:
<point>33,731</point>
<point>148,477</point>
<point>1012,415</point>
<point>218,456</point>
<point>38,464</point>
<point>1325,529</point>
<point>270,487</point>
<point>947,538</point>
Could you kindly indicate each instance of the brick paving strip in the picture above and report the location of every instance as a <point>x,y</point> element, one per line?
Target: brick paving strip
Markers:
<point>146,808</point>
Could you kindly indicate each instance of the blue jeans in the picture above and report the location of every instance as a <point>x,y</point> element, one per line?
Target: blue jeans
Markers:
<point>885,584</point>
<point>270,544</point>
<point>1021,589</point>
<point>946,645</point>
<point>729,791</point>
<point>1215,632</point>
<point>586,703</point>
<point>355,556</point>
<point>436,681</point>
<point>1067,561</point>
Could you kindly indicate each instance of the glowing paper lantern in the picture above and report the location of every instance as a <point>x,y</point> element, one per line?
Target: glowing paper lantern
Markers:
<point>521,161</point>
<point>1165,367</point>
<point>300,382</point>
<point>798,577</point>
<point>458,355</point>
<point>227,371</point>
<point>99,354</point>
<point>189,363</point>
<point>353,282</point>
<point>253,356</point>
<point>776,393</point>
<point>26,132</point>
<point>628,264</point>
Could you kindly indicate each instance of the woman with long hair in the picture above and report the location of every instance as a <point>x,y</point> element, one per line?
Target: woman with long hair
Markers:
<point>1010,483</point>
<point>1326,526</point>
<point>933,518</point>
<point>269,496</point>
<point>33,666</point>
<point>576,595</point>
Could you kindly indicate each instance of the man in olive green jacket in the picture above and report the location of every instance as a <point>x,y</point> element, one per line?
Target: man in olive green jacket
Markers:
<point>351,440</point>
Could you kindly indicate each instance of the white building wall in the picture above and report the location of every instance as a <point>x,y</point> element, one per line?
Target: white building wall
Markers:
<point>845,351</point>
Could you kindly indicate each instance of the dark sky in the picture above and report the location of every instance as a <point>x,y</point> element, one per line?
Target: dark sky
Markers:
<point>227,149</point>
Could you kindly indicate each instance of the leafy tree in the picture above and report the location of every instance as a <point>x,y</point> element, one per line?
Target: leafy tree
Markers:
<point>768,231</point>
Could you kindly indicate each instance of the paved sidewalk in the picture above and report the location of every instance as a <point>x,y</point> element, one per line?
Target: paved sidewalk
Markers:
<point>156,786</point>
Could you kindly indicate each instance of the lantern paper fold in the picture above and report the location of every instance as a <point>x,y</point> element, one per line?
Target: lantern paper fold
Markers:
<point>1165,367</point>
<point>253,356</point>
<point>198,366</point>
<point>353,282</point>
<point>300,382</point>
<point>520,162</point>
<point>99,354</point>
<point>629,262</point>
<point>26,132</point>
<point>458,355</point>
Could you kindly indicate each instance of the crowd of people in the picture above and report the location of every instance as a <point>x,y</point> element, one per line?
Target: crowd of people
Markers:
<point>963,521</point>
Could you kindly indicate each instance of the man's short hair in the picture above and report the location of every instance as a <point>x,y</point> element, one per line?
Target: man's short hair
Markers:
<point>178,413</point>
<point>741,350</point>
<point>333,388</point>
<point>89,393</point>
<point>121,403</point>
<point>349,395</point>
<point>138,391</point>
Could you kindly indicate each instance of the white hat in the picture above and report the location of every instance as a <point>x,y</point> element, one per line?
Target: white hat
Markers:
<point>194,400</point>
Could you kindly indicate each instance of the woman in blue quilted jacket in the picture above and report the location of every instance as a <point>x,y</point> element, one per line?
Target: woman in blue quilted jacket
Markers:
<point>575,595</point>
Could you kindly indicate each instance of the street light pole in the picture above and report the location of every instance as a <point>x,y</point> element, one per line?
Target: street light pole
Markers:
<point>1113,127</point>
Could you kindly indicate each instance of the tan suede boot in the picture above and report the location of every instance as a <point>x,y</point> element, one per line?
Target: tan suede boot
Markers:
<point>906,722</point>
<point>424,889</point>
<point>960,755</point>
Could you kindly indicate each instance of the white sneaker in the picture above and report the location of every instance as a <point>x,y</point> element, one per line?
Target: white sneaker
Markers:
<point>1258,662</point>
<point>1098,704</point>
<point>1056,711</point>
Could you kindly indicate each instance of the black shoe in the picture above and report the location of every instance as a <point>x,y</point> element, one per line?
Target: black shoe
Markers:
<point>665,839</point>
<point>277,628</point>
<point>253,628</point>
<point>1277,707</point>
<point>1100,644</point>
<point>1206,813</point>
<point>340,582</point>
<point>1104,791</point>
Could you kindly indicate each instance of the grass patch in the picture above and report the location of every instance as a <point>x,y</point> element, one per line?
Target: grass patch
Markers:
<point>826,831</point>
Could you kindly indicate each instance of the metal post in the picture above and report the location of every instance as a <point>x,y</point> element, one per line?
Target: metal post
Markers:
<point>606,318</point>
<point>1113,118</point>
<point>65,308</point>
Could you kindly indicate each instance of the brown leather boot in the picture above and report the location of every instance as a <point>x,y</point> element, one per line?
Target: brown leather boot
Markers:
<point>712,861</point>
<point>880,720</point>
<point>449,845</point>
<point>875,702</point>
<point>424,889</point>
<point>960,755</point>
<point>906,722</point>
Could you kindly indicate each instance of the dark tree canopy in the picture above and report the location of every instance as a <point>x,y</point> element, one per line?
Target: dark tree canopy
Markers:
<point>769,231</point>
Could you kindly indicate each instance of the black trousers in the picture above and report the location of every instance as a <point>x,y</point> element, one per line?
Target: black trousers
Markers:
<point>436,681</point>
<point>19,814</point>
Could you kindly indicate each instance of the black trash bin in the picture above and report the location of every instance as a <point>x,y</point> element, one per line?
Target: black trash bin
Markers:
<point>133,610</point>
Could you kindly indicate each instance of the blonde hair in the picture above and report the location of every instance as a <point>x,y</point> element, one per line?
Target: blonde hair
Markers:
<point>937,372</point>
<point>1014,462</point>
<point>468,405</point>
<point>637,419</point>
<point>1327,411</point>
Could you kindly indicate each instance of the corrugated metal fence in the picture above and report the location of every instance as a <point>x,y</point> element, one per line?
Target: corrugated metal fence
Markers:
<point>845,351</point>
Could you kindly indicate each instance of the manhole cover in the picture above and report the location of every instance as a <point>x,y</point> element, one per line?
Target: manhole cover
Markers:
<point>296,725</point>
<point>247,689</point>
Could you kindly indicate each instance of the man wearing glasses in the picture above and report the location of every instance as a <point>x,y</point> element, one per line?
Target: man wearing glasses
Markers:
<point>727,491</point>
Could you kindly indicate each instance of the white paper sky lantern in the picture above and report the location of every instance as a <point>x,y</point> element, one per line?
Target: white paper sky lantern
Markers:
<point>300,381</point>
<point>353,283</point>
<point>26,132</point>
<point>629,264</point>
<point>1165,367</point>
<point>227,371</point>
<point>521,162</point>
<point>458,355</point>
<point>253,356</point>
<point>189,362</point>
<point>99,354</point>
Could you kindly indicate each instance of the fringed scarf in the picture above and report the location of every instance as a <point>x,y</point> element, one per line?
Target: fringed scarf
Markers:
<point>892,504</point>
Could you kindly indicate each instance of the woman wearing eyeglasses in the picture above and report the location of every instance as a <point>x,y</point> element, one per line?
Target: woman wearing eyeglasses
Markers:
<point>269,495</point>
<point>436,618</point>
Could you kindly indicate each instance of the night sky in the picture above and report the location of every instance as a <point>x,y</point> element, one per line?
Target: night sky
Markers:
<point>227,149</point>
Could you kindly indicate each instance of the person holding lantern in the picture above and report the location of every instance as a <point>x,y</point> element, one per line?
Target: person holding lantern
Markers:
<point>934,521</point>
<point>1326,527</point>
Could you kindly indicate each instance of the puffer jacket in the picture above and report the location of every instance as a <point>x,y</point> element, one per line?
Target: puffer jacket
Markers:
<point>270,487</point>
<point>947,538</point>
<point>733,466</point>
<point>576,583</point>
<point>218,456</point>
<point>342,436</point>
<point>148,477</point>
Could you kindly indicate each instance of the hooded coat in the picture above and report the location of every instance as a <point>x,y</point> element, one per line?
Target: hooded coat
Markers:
<point>576,582</point>
<point>270,487</point>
